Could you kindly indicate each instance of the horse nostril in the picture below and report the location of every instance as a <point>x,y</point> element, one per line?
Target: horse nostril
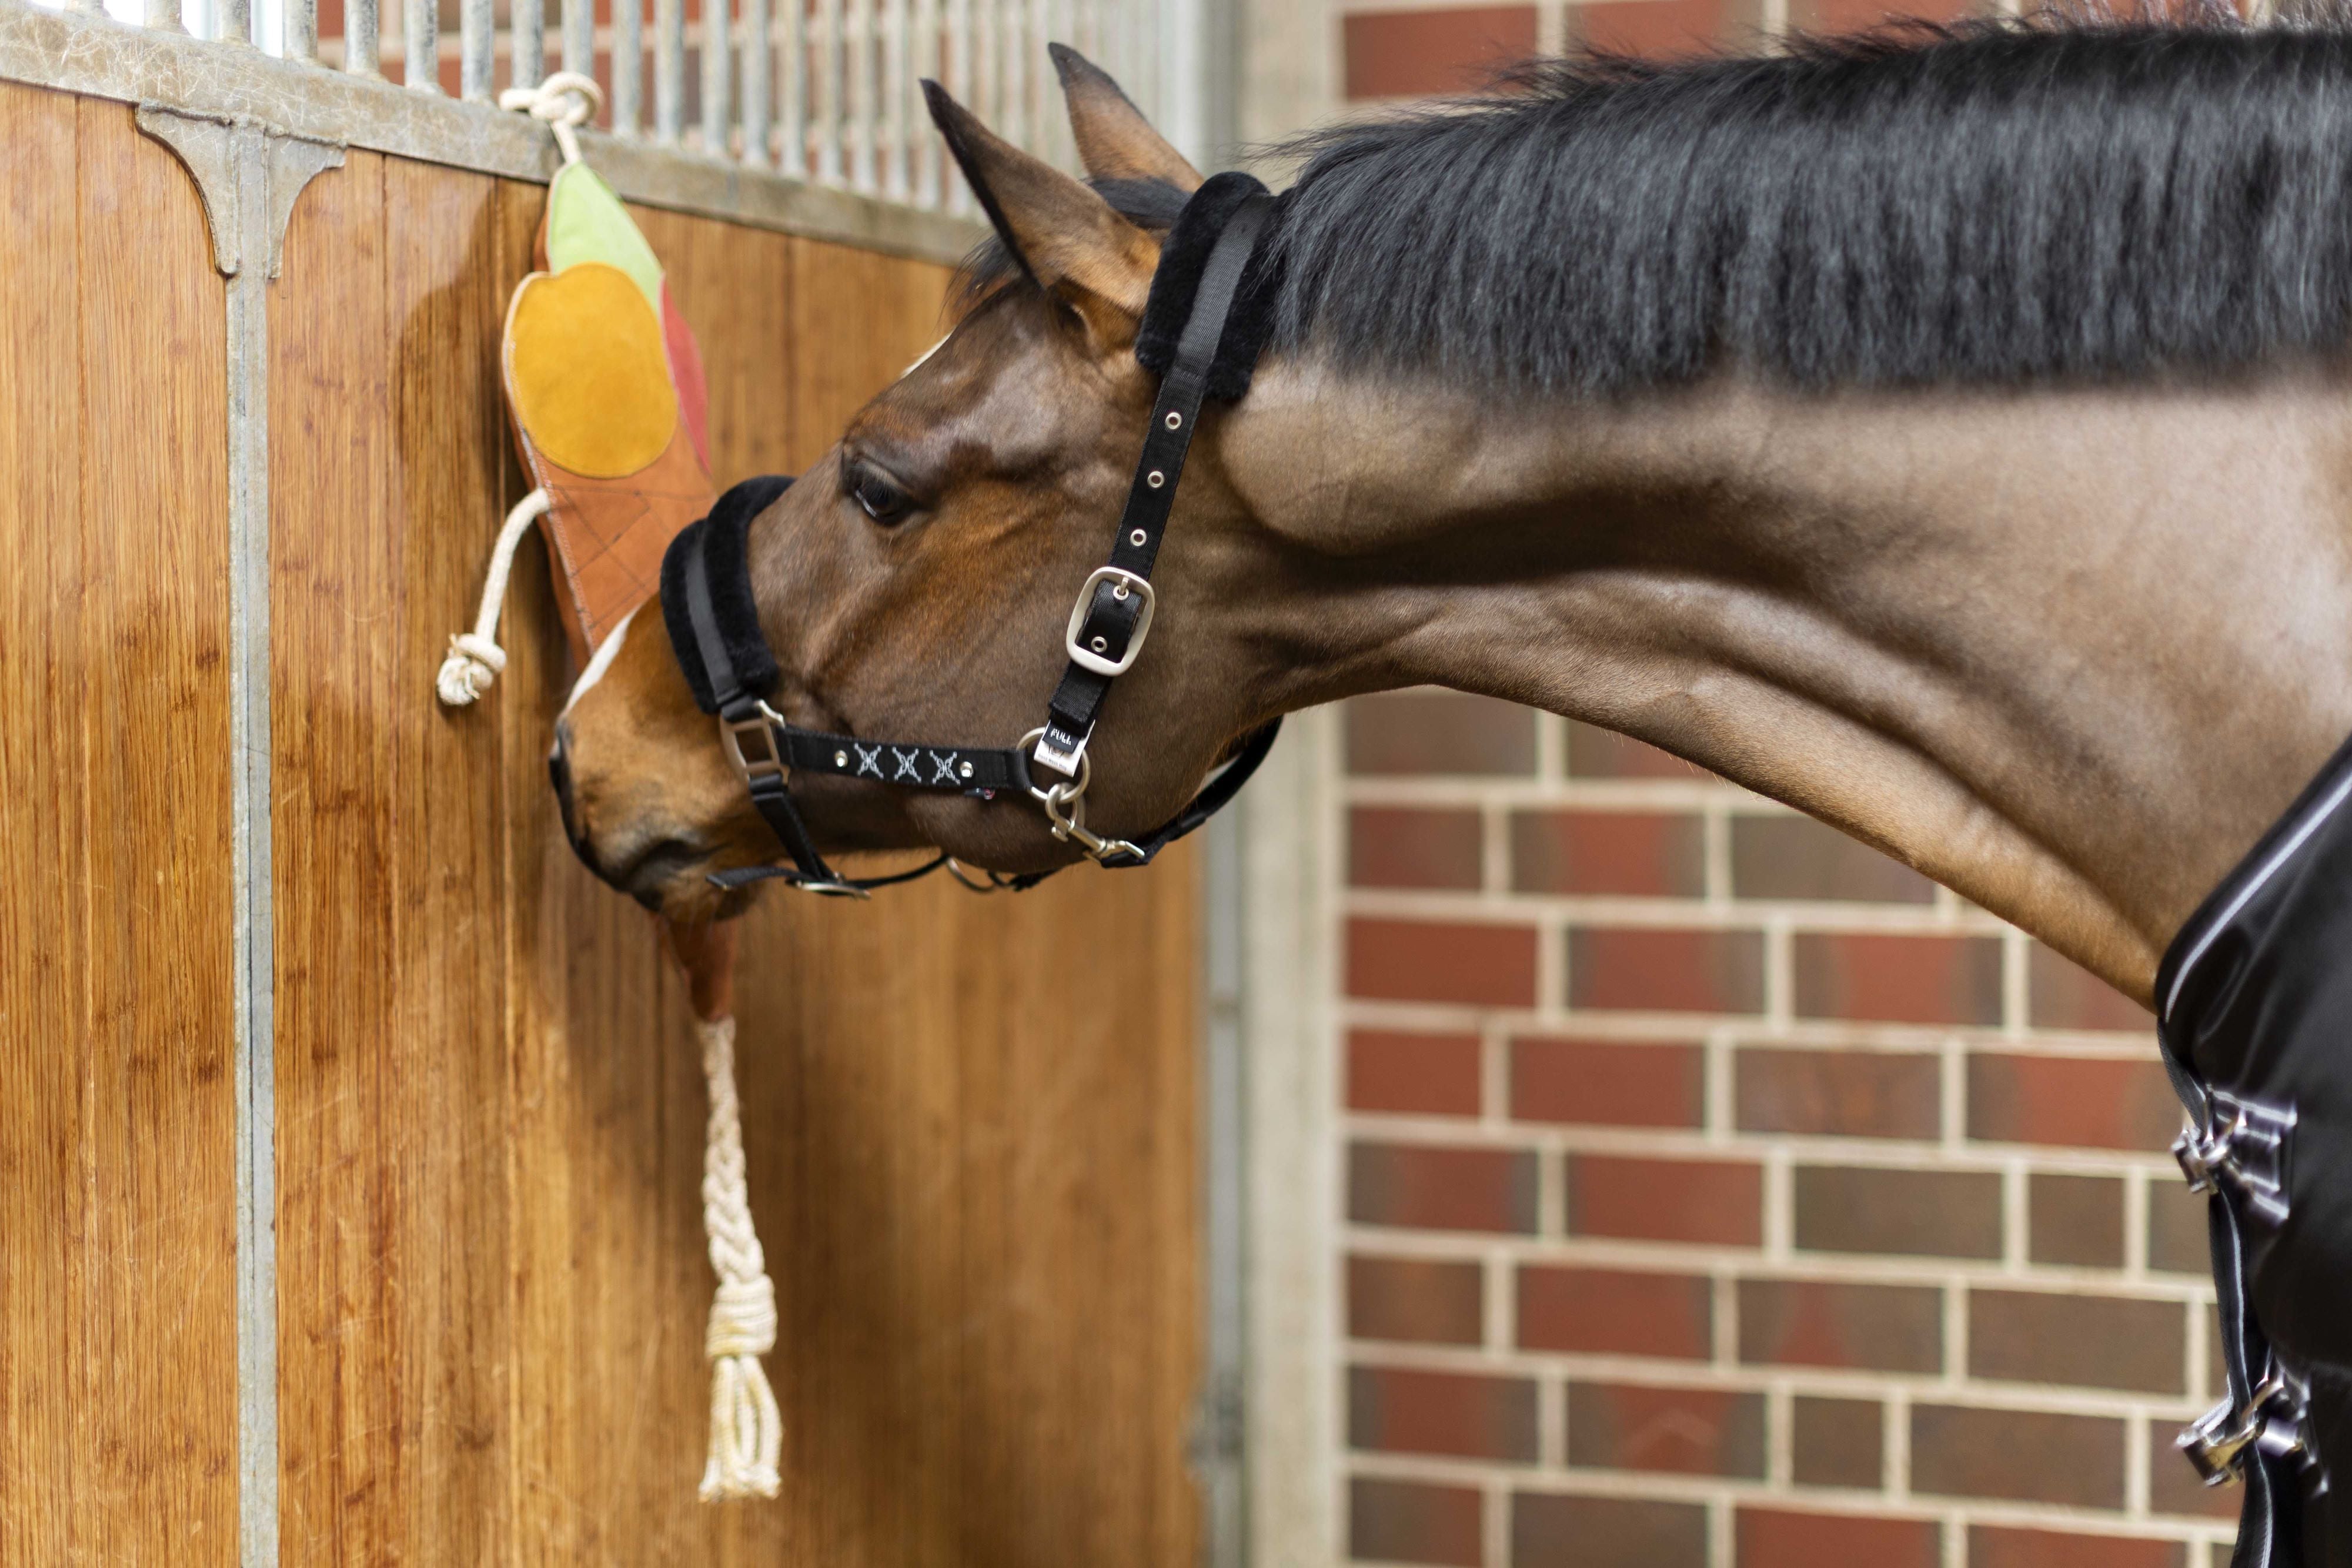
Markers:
<point>558,774</point>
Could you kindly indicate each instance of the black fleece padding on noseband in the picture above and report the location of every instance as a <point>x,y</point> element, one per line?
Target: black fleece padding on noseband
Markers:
<point>1183,257</point>
<point>728,564</point>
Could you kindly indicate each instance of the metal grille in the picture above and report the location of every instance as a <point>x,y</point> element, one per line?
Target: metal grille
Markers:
<point>826,91</point>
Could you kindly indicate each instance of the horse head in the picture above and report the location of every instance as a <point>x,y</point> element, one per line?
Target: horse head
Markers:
<point>915,581</point>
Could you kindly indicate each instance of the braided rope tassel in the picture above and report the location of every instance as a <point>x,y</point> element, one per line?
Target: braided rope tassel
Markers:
<point>746,1430</point>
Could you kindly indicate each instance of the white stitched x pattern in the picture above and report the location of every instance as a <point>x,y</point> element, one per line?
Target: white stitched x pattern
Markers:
<point>870,758</point>
<point>943,766</point>
<point>906,761</point>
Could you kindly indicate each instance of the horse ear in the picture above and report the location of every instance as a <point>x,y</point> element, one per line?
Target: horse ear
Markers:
<point>1064,236</point>
<point>1114,142</point>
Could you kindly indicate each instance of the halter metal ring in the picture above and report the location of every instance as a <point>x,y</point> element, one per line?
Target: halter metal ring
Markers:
<point>1065,810</point>
<point>1088,658</point>
<point>1071,790</point>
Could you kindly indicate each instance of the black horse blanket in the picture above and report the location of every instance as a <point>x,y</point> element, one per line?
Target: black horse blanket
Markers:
<point>2254,1008</point>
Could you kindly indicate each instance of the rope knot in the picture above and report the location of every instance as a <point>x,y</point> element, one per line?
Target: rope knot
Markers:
<point>562,102</point>
<point>473,662</point>
<point>475,658</point>
<point>742,1319</point>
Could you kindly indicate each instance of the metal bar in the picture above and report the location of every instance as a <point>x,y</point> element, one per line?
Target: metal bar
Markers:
<point>252,940</point>
<point>1044,103</point>
<point>1013,115</point>
<point>299,35</point>
<point>984,97</point>
<point>718,22</point>
<point>759,74</point>
<point>526,42</point>
<point>963,84</point>
<point>669,70</point>
<point>99,57</point>
<point>862,28</point>
<point>475,39</point>
<point>829,96</point>
<point>363,38</point>
<point>795,159</point>
<point>420,46</point>
<point>579,37</point>
<point>927,64</point>
<point>896,82</point>
<point>628,67</point>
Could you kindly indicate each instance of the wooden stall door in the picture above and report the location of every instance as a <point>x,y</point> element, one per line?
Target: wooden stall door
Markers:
<point>978,1206</point>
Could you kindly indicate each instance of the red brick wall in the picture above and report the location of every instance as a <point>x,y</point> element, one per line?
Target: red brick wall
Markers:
<point>1723,1195</point>
<point>1392,50</point>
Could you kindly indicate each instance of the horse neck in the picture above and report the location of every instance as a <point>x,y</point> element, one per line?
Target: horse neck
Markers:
<point>2067,652</point>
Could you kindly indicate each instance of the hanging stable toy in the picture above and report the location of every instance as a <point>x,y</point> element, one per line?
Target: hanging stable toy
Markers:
<point>605,386</point>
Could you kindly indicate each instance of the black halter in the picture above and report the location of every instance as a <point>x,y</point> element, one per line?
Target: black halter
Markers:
<point>731,669</point>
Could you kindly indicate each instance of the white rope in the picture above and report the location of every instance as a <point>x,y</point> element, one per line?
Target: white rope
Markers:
<point>747,1432</point>
<point>475,657</point>
<point>563,101</point>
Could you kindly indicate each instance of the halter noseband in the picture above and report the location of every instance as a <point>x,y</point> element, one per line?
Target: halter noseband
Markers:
<point>714,628</point>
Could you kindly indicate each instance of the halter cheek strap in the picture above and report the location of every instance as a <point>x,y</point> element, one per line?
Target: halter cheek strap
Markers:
<point>713,623</point>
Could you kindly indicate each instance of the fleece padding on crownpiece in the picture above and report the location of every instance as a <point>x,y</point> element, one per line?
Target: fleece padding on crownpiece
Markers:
<point>1182,259</point>
<point>726,562</point>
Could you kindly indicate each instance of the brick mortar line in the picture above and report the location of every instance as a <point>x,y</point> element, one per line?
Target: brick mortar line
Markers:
<point>1677,1257</point>
<point>1843,1153</point>
<point>1520,791</point>
<point>1735,1491</point>
<point>1556,1369</point>
<point>1827,1034</point>
<point>1811,918</point>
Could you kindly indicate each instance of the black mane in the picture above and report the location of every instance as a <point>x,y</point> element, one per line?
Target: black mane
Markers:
<point>1993,203</point>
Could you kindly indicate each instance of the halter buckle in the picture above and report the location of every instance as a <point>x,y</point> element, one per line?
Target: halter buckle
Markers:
<point>767,759</point>
<point>1102,663</point>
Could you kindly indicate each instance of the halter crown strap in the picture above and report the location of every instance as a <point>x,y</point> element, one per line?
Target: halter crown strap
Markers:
<point>1114,610</point>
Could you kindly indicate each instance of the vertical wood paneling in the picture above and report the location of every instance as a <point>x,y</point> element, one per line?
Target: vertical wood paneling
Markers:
<point>44,966</point>
<point>118,1400</point>
<point>387,479</point>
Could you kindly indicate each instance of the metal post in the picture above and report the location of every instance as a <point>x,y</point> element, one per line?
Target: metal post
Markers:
<point>717,23</point>
<point>828,111</point>
<point>164,15</point>
<point>301,29</point>
<point>926,149</point>
<point>669,70</point>
<point>1013,48</point>
<point>895,79</point>
<point>363,38</point>
<point>580,37</point>
<point>476,40</point>
<point>628,67</point>
<point>964,79</point>
<point>420,46</point>
<point>862,28</point>
<point>527,39</point>
<point>795,159</point>
<point>758,73</point>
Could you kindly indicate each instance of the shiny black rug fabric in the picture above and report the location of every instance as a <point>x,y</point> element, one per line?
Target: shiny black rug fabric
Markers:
<point>2254,1000</point>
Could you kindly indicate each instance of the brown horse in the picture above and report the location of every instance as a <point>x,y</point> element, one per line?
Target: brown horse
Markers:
<point>1985,542</point>
<point>1949,435</point>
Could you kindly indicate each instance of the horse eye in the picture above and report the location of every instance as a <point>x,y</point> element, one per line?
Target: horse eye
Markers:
<point>877,498</point>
